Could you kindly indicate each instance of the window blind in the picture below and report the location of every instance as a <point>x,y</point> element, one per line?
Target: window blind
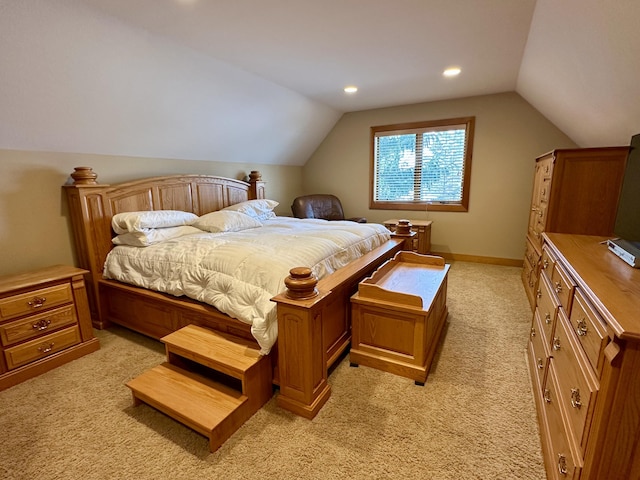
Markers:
<point>420,165</point>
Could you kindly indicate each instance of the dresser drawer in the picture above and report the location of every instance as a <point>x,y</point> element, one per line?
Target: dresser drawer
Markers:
<point>547,307</point>
<point>35,300</point>
<point>545,189</point>
<point>538,349</point>
<point>541,221</point>
<point>563,285</point>
<point>530,282</point>
<point>547,263</point>
<point>589,329</point>
<point>564,458</point>
<point>578,386</point>
<point>531,254</point>
<point>529,274</point>
<point>546,167</point>
<point>36,325</point>
<point>41,347</point>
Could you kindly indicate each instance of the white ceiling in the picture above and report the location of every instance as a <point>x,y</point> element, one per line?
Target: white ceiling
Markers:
<point>193,78</point>
<point>393,50</point>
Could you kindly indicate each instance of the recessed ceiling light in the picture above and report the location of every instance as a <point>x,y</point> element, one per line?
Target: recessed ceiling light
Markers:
<point>451,72</point>
<point>351,89</point>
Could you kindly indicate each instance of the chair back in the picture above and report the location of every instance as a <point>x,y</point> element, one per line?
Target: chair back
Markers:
<point>325,206</point>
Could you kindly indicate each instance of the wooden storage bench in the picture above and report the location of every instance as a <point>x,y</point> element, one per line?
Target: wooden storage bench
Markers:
<point>398,315</point>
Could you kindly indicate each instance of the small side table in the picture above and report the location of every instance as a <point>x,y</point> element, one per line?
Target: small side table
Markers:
<point>44,322</point>
<point>422,240</point>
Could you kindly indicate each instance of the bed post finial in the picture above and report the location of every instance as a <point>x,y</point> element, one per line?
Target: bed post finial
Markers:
<point>301,284</point>
<point>84,176</point>
<point>256,185</point>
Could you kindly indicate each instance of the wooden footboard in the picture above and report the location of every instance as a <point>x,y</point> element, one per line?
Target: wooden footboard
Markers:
<point>314,332</point>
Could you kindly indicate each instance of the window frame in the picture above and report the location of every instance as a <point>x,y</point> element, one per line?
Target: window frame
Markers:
<point>463,204</point>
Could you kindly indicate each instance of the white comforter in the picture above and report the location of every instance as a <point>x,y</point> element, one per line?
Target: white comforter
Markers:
<point>239,272</point>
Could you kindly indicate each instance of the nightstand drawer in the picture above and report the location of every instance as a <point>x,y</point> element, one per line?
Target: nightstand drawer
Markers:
<point>35,300</point>
<point>36,325</point>
<point>41,347</point>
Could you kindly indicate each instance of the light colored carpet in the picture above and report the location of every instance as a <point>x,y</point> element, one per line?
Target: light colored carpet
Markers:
<point>474,418</point>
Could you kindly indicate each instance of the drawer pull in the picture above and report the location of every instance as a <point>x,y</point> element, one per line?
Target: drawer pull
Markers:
<point>556,343</point>
<point>37,302</point>
<point>547,395</point>
<point>547,318</point>
<point>539,293</point>
<point>558,287</point>
<point>581,327</point>
<point>533,332</point>
<point>42,324</point>
<point>540,364</point>
<point>562,464</point>
<point>46,348</point>
<point>575,398</point>
<point>545,264</point>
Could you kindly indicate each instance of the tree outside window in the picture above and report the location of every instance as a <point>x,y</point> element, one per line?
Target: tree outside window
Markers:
<point>422,165</point>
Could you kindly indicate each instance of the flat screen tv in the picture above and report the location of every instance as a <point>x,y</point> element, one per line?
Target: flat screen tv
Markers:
<point>627,225</point>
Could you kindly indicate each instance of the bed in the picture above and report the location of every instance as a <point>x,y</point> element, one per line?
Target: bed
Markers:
<point>313,317</point>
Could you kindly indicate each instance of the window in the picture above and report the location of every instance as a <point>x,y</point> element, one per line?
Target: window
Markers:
<point>415,166</point>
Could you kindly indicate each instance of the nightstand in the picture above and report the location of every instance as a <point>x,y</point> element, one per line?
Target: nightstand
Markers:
<point>422,240</point>
<point>44,322</point>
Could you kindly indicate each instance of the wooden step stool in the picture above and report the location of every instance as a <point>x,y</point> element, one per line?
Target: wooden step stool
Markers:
<point>212,382</point>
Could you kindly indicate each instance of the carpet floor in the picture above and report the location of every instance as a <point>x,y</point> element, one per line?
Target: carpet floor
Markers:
<point>473,419</point>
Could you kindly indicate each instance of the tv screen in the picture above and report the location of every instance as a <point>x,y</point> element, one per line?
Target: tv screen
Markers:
<point>627,224</point>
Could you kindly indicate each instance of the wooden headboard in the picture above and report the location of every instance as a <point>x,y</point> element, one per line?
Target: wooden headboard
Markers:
<point>92,205</point>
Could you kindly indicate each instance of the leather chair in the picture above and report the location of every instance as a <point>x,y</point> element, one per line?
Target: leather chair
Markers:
<point>325,206</point>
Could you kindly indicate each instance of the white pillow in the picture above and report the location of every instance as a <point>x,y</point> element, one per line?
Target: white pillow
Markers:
<point>137,221</point>
<point>258,209</point>
<point>226,221</point>
<point>149,236</point>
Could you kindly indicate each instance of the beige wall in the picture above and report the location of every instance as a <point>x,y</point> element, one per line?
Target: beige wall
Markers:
<point>35,231</point>
<point>34,225</point>
<point>509,135</point>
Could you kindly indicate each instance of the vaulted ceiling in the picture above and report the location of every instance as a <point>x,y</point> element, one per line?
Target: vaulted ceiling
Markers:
<point>210,79</point>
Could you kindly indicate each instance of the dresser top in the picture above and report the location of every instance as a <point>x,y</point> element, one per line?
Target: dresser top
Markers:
<point>35,277</point>
<point>611,285</point>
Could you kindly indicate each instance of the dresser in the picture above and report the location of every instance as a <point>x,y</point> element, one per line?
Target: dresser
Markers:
<point>574,191</point>
<point>44,322</point>
<point>584,359</point>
